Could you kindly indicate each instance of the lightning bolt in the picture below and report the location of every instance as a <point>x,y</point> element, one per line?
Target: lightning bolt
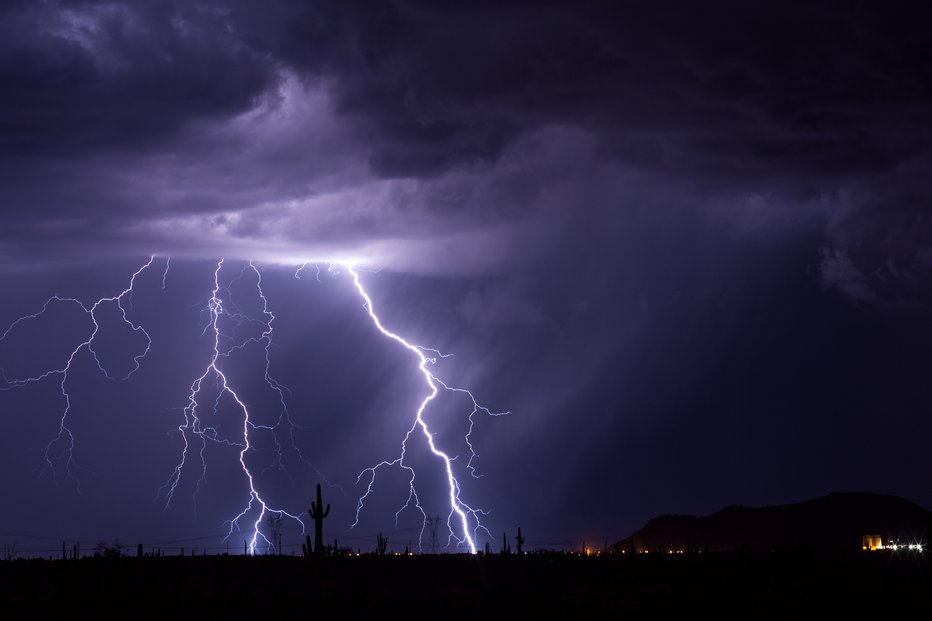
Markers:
<point>193,427</point>
<point>463,521</point>
<point>65,437</point>
<point>168,264</point>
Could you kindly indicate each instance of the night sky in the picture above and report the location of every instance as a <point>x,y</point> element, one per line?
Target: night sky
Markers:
<point>688,246</point>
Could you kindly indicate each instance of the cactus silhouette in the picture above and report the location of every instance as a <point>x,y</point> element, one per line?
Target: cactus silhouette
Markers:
<point>318,513</point>
<point>520,541</point>
<point>506,547</point>
<point>382,544</point>
<point>306,547</point>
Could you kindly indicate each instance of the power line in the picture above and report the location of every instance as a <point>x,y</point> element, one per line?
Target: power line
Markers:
<point>173,544</point>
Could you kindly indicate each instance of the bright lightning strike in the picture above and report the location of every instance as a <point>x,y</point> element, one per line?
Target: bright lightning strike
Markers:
<point>194,427</point>
<point>197,433</point>
<point>466,518</point>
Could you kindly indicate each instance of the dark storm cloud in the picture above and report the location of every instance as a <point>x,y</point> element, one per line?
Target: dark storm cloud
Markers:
<point>668,236</point>
<point>118,118</point>
<point>86,78</point>
<point>778,90</point>
<point>150,123</point>
<point>802,104</point>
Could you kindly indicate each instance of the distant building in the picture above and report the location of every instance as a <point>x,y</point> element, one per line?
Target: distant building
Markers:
<point>871,542</point>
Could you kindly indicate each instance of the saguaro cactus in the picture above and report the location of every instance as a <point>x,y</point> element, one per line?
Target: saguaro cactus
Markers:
<point>520,541</point>
<point>506,546</point>
<point>306,548</point>
<point>318,513</point>
<point>382,544</point>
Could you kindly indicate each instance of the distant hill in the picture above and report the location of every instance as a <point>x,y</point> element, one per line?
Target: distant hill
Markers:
<point>835,523</point>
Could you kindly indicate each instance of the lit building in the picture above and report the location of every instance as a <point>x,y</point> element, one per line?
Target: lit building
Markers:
<point>871,542</point>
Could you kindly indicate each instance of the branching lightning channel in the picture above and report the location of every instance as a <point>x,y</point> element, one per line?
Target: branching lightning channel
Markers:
<point>193,427</point>
<point>463,521</point>
<point>198,432</point>
<point>64,437</point>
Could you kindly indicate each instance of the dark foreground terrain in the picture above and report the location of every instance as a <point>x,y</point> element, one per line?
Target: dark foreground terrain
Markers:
<point>879,585</point>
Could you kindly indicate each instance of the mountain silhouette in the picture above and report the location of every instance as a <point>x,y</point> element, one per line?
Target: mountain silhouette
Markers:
<point>833,523</point>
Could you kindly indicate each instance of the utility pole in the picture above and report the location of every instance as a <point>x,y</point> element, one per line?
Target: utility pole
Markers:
<point>275,526</point>
<point>433,523</point>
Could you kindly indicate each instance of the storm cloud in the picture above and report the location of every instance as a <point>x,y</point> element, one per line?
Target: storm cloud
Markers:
<point>286,129</point>
<point>681,223</point>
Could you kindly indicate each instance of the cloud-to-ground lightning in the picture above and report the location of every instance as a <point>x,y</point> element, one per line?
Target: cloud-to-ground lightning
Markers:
<point>194,427</point>
<point>64,435</point>
<point>465,533</point>
<point>197,430</point>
